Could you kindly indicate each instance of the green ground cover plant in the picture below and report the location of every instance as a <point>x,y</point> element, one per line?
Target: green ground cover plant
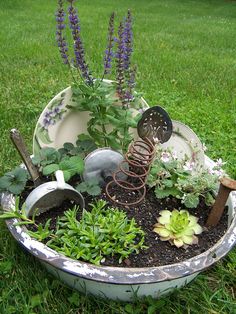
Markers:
<point>101,232</point>
<point>185,53</point>
<point>172,177</point>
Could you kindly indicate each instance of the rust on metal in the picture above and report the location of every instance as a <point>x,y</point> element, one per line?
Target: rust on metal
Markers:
<point>136,167</point>
<point>226,186</point>
<point>154,126</point>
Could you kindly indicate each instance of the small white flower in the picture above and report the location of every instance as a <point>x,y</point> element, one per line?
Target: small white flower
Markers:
<point>216,172</point>
<point>210,171</point>
<point>165,156</point>
<point>219,173</point>
<point>220,163</point>
<point>188,166</point>
<point>174,155</point>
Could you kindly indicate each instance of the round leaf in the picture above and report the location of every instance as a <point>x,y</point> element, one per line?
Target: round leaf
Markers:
<point>49,169</point>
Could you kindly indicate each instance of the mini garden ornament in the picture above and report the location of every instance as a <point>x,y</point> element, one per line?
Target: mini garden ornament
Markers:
<point>177,227</point>
<point>154,126</point>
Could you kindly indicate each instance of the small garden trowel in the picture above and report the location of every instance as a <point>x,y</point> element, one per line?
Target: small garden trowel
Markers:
<point>45,195</point>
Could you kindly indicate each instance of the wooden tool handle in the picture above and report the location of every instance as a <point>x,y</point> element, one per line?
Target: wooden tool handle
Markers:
<point>22,149</point>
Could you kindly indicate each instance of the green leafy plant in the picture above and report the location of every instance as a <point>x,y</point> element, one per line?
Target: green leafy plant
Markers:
<point>69,165</point>
<point>50,160</point>
<point>91,187</point>
<point>46,156</point>
<point>177,227</point>
<point>105,109</point>
<point>14,181</point>
<point>103,231</point>
<point>84,145</point>
<point>42,232</point>
<point>172,177</point>
<point>18,213</point>
<point>107,102</point>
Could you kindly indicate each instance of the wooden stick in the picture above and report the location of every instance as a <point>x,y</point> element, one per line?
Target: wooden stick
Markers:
<point>226,186</point>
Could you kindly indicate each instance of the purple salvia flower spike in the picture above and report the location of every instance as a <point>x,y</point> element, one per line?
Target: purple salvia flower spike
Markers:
<point>120,63</point>
<point>108,52</point>
<point>130,85</point>
<point>128,40</point>
<point>131,80</point>
<point>61,42</point>
<point>79,60</point>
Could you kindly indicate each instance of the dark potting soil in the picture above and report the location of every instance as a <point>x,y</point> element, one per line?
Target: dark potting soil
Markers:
<point>145,214</point>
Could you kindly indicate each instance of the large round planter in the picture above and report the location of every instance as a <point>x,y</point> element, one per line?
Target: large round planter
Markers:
<point>119,283</point>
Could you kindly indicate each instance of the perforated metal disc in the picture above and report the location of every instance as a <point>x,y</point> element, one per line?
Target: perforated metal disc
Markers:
<point>155,124</point>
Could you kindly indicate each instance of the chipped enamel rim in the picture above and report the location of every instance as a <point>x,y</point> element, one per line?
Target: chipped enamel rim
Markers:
<point>121,275</point>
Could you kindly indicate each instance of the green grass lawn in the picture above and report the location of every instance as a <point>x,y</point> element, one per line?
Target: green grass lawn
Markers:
<point>185,52</point>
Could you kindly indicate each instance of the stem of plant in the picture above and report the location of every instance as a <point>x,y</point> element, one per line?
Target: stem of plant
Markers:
<point>72,74</point>
<point>103,127</point>
<point>125,129</point>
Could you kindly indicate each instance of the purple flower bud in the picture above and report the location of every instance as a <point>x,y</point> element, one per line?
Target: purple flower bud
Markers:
<point>61,42</point>
<point>128,39</point>
<point>108,52</point>
<point>120,75</point>
<point>79,61</point>
<point>125,75</point>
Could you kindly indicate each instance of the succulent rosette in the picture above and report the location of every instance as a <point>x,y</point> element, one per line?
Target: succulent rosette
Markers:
<point>178,227</point>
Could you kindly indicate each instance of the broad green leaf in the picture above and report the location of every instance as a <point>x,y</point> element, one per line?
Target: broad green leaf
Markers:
<point>67,175</point>
<point>5,181</point>
<point>16,188</point>
<point>94,190</point>
<point>74,164</point>
<point>20,174</point>
<point>49,169</point>
<point>47,155</point>
<point>166,192</point>
<point>82,137</point>
<point>167,183</point>
<point>82,187</point>
<point>68,146</point>
<point>36,159</point>
<point>191,200</point>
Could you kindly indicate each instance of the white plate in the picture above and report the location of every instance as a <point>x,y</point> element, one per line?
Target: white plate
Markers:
<point>185,143</point>
<point>57,124</point>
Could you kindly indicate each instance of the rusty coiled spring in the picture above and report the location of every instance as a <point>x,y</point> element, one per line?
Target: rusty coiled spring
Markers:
<point>132,173</point>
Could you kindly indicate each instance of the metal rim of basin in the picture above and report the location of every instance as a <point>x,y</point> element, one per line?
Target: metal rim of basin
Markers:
<point>121,275</point>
